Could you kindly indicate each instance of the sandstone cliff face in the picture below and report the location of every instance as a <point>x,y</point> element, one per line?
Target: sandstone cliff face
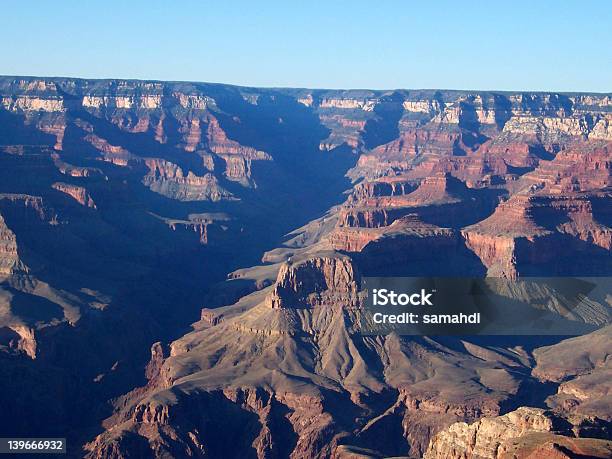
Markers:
<point>299,285</point>
<point>78,193</point>
<point>526,432</point>
<point>75,171</point>
<point>521,233</point>
<point>494,239</point>
<point>386,186</point>
<point>169,180</point>
<point>485,438</point>
<point>9,258</point>
<point>582,167</point>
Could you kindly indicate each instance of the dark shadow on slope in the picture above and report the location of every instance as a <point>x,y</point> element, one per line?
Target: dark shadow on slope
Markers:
<point>285,437</point>
<point>503,110</point>
<point>32,308</point>
<point>531,393</point>
<point>14,130</point>
<point>384,128</point>
<point>410,257</point>
<point>541,153</point>
<point>602,210</point>
<point>385,435</point>
<point>302,181</point>
<point>577,258</point>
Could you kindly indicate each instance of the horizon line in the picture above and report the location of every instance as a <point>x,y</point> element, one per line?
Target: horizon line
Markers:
<point>155,80</point>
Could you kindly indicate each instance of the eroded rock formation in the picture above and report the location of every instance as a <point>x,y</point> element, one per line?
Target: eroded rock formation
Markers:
<point>125,203</point>
<point>526,432</point>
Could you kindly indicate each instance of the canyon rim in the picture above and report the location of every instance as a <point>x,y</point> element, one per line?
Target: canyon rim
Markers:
<point>181,268</point>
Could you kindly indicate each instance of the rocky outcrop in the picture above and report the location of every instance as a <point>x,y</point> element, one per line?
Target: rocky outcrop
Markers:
<point>56,126</point>
<point>220,144</point>
<point>169,180</point>
<point>385,186</point>
<point>75,171</point>
<point>523,231</point>
<point>33,104</point>
<point>78,193</point>
<point>199,226</point>
<point>19,338</point>
<point>249,414</point>
<point>583,367</point>
<point>526,432</point>
<point>437,189</point>
<point>10,262</point>
<point>305,283</point>
<point>351,239</point>
<point>114,154</point>
<point>373,217</point>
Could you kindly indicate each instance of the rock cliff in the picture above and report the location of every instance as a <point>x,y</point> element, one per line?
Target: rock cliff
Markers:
<point>526,432</point>
<point>124,204</point>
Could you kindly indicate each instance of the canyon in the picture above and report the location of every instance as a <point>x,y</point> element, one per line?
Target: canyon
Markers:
<point>181,268</point>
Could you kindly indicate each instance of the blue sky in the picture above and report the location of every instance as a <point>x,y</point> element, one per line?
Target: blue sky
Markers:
<point>518,45</point>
